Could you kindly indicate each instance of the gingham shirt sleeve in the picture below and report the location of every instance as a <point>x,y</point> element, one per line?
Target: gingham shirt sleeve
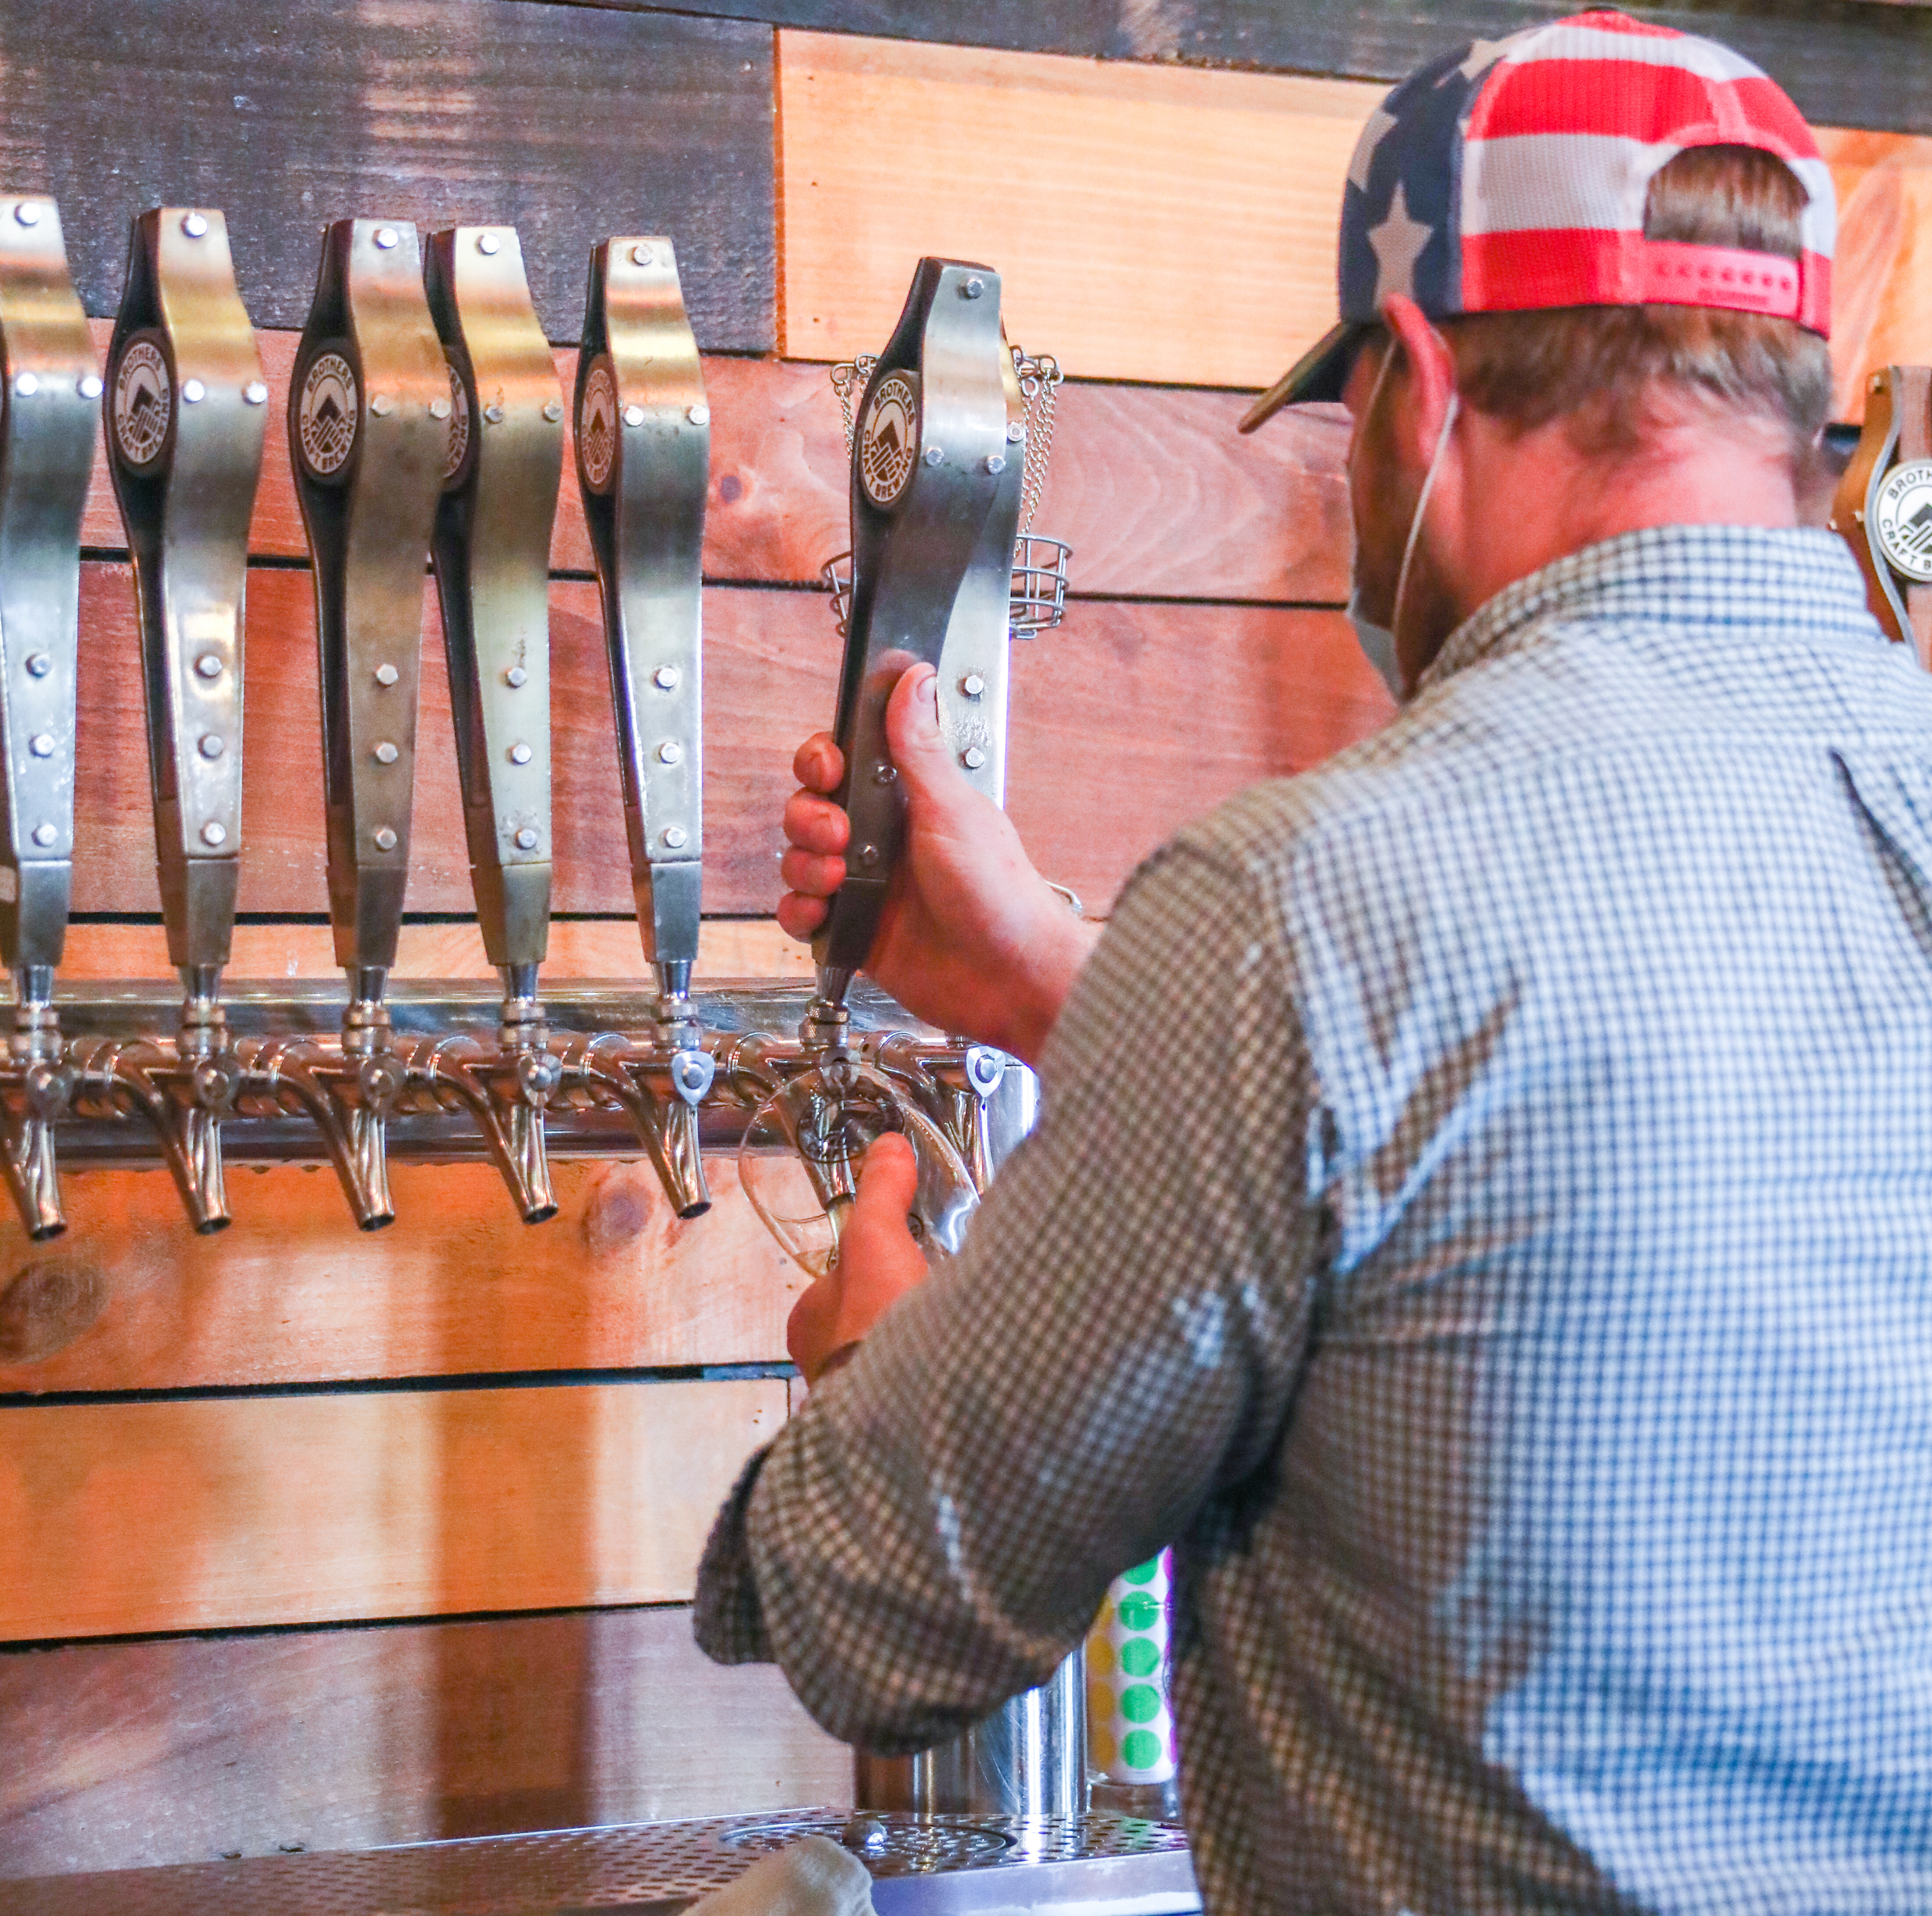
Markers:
<point>1119,1343</point>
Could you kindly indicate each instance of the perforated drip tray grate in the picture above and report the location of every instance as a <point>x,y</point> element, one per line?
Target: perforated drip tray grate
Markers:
<point>940,1864</point>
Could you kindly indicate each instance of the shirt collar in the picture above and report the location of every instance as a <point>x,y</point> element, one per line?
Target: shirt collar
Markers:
<point>1794,579</point>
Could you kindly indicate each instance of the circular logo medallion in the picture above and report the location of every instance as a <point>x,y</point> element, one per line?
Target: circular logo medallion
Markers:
<point>143,403</point>
<point>1902,519</point>
<point>326,420</point>
<point>459,425</point>
<point>597,426</point>
<point>889,441</point>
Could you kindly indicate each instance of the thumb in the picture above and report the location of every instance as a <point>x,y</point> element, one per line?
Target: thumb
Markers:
<point>912,730</point>
<point>888,1186</point>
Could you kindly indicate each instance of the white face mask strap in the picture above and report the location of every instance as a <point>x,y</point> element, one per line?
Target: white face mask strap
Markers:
<point>1422,502</point>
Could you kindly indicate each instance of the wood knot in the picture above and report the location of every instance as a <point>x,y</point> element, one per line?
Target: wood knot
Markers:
<point>620,1208</point>
<point>46,1304</point>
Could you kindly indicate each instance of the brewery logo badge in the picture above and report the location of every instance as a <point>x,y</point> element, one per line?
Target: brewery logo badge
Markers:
<point>143,400</point>
<point>597,426</point>
<point>327,420</point>
<point>889,440</point>
<point>1902,519</point>
<point>459,425</point>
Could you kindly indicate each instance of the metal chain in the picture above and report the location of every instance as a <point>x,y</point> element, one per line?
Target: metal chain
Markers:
<point>1039,379</point>
<point>848,380</point>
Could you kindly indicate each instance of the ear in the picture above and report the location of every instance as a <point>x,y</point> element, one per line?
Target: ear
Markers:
<point>1428,367</point>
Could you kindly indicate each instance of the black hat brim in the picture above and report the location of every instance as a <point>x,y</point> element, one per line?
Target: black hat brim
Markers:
<point>1320,373</point>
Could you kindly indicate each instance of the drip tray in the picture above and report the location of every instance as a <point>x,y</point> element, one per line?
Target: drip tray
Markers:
<point>970,1865</point>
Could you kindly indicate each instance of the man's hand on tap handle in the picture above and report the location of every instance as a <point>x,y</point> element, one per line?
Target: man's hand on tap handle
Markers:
<point>879,1262</point>
<point>972,940</point>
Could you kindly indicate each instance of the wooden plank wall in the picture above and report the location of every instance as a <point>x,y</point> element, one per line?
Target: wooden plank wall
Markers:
<point>322,1539</point>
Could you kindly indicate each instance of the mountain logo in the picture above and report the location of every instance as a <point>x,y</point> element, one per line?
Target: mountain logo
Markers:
<point>326,421</point>
<point>1904,521</point>
<point>597,426</point>
<point>143,403</point>
<point>889,441</point>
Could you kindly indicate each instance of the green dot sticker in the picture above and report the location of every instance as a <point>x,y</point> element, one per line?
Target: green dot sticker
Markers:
<point>1139,1657</point>
<point>1141,1749</point>
<point>1139,1612</point>
<point>1141,1704</point>
<point>1142,1573</point>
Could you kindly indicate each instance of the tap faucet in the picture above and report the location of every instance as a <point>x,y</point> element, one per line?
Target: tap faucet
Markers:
<point>46,446</point>
<point>185,409</point>
<point>369,435</point>
<point>491,552</point>
<point>644,450</point>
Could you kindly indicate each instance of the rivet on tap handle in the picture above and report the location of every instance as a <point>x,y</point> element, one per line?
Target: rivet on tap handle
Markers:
<point>369,436</point>
<point>644,457</point>
<point>491,550</point>
<point>184,411</point>
<point>50,388</point>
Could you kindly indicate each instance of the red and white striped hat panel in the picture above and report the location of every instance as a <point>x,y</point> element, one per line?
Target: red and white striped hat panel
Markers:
<point>1563,134</point>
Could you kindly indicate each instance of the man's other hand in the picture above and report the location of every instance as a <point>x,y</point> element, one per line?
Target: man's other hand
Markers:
<point>972,939</point>
<point>879,1262</point>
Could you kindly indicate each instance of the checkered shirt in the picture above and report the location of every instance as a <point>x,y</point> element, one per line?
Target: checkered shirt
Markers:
<point>1483,1217</point>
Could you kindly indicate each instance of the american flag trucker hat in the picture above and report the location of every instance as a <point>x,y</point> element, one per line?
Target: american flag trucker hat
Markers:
<point>1511,174</point>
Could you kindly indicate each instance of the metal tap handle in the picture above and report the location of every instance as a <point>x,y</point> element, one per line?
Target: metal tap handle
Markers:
<point>369,412</point>
<point>973,664</point>
<point>51,384</point>
<point>186,405</point>
<point>935,501</point>
<point>492,555</point>
<point>643,455</point>
<point>1879,496</point>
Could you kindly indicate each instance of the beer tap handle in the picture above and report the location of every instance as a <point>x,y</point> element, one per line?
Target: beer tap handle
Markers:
<point>935,513</point>
<point>643,452</point>
<point>643,456</point>
<point>369,414</point>
<point>185,409</point>
<point>492,555</point>
<point>1880,507</point>
<point>49,385</point>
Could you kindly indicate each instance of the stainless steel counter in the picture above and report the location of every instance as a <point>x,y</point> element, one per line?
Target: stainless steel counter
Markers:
<point>938,1866</point>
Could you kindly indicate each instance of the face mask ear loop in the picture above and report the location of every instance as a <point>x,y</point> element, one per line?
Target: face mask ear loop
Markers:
<point>1422,506</point>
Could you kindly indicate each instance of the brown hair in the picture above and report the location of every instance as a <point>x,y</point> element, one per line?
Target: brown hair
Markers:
<point>1605,367</point>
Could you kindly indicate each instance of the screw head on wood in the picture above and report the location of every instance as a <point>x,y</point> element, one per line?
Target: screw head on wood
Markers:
<point>194,225</point>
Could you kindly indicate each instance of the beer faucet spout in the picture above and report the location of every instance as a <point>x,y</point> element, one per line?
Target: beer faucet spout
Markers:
<point>36,1087</point>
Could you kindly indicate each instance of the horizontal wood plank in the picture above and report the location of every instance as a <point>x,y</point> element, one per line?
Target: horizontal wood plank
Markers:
<point>1882,280</point>
<point>131,1299</point>
<point>600,948</point>
<point>572,125</point>
<point>126,1755</point>
<point>213,1513</point>
<point>1127,722</point>
<point>1155,489</point>
<point>1861,64</point>
<point>1147,223</point>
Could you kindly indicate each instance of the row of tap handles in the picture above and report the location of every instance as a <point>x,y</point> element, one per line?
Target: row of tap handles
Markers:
<point>425,417</point>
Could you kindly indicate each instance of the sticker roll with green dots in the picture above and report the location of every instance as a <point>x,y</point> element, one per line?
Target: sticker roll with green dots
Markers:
<point>1129,1730</point>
